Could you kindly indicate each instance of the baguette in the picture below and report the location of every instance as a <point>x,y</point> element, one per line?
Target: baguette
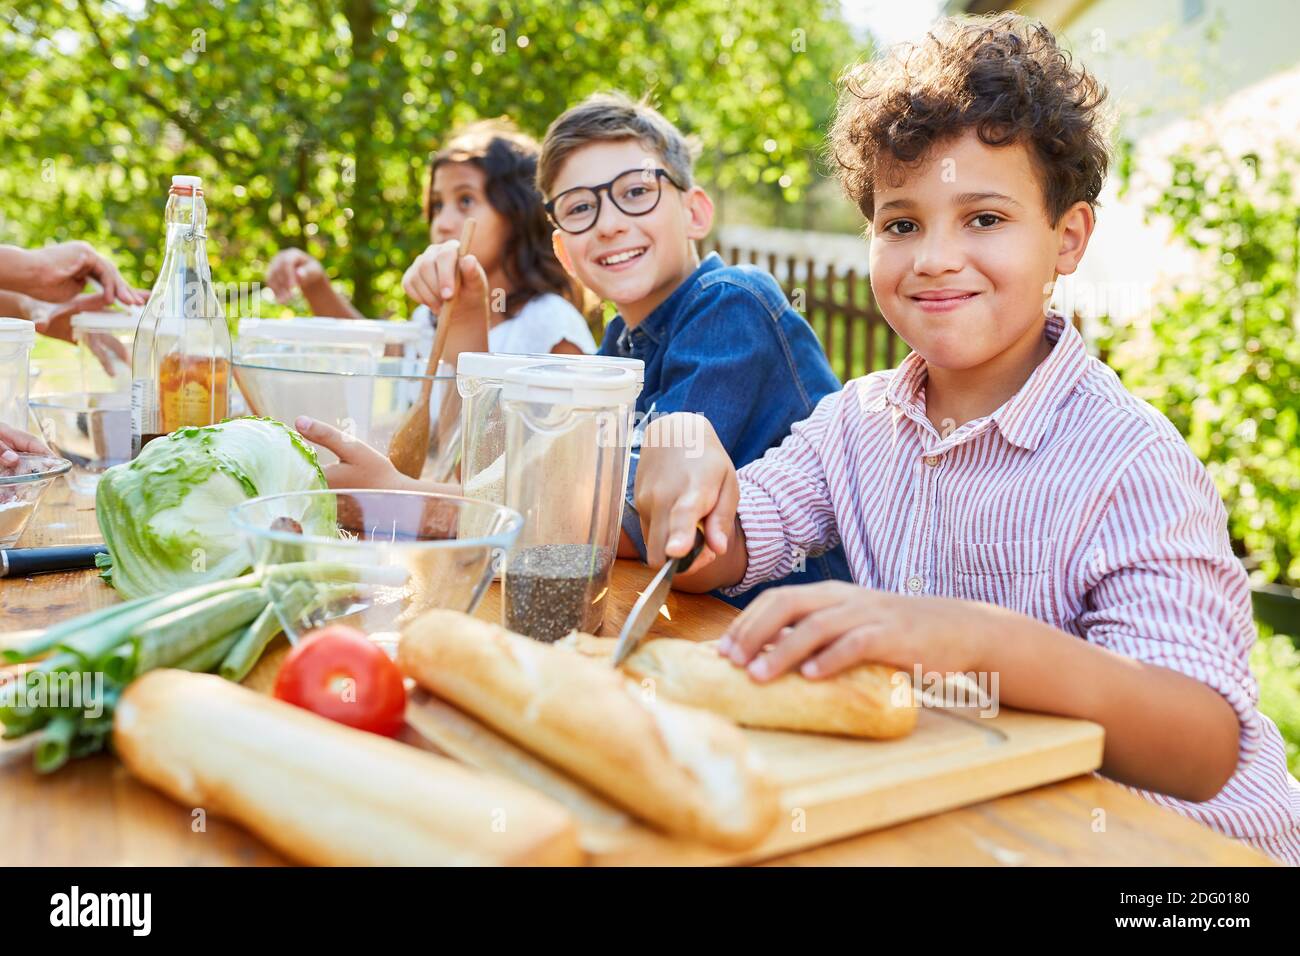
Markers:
<point>870,700</point>
<point>689,772</point>
<point>323,793</point>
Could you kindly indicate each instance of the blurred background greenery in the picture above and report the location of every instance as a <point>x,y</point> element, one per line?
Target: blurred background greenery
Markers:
<point>312,122</point>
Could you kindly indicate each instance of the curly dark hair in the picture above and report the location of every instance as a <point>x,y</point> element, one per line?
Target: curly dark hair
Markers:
<point>1004,77</point>
<point>508,159</point>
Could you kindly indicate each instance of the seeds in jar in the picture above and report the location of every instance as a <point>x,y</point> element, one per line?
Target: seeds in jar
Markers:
<point>551,589</point>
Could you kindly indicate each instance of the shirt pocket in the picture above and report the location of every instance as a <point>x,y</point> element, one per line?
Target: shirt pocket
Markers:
<point>1016,575</point>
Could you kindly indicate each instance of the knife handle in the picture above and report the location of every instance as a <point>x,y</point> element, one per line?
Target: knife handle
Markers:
<point>20,562</point>
<point>686,560</point>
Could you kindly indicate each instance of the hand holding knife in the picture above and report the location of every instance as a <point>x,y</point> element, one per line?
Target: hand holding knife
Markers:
<point>647,606</point>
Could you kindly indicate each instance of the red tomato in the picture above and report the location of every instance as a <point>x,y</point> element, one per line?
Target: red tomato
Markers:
<point>339,673</point>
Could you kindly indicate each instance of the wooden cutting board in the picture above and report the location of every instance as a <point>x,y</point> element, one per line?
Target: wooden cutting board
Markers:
<point>831,787</point>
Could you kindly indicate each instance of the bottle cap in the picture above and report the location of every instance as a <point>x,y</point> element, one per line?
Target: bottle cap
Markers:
<point>193,182</point>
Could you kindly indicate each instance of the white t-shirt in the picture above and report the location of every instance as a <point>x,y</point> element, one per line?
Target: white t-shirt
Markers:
<point>544,322</point>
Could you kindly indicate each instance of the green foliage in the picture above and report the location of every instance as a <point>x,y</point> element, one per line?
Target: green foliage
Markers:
<point>312,122</point>
<point>1221,358</point>
<point>1275,661</point>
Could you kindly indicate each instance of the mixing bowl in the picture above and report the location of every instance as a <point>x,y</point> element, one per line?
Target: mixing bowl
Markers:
<point>22,486</point>
<point>395,555</point>
<point>90,429</point>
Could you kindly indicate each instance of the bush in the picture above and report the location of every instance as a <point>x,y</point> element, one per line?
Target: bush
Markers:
<point>1220,357</point>
<point>1275,662</point>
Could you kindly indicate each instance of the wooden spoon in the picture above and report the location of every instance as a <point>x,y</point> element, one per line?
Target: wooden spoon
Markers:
<point>410,443</point>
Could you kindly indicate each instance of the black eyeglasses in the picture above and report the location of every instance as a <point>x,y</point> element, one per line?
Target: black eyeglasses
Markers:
<point>635,192</point>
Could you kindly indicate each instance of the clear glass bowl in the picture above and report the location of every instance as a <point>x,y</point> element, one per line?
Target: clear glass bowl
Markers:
<point>396,554</point>
<point>364,396</point>
<point>90,429</point>
<point>21,487</point>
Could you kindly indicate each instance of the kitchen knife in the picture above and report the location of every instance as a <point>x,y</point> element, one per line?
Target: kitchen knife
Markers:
<point>652,599</point>
<point>20,562</point>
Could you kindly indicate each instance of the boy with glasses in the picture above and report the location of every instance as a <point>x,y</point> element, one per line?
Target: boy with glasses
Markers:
<point>718,340</point>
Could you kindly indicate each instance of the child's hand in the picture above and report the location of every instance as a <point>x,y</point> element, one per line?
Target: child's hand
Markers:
<point>826,628</point>
<point>61,271</point>
<point>15,442</point>
<point>685,475</point>
<point>293,269</point>
<point>359,465</point>
<point>432,277</point>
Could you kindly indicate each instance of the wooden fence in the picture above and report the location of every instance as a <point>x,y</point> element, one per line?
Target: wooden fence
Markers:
<point>837,304</point>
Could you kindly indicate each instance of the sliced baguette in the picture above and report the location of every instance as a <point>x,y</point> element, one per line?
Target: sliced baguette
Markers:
<point>871,700</point>
<point>687,771</point>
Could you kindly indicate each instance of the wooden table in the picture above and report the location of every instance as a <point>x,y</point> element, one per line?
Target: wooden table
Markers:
<point>93,813</point>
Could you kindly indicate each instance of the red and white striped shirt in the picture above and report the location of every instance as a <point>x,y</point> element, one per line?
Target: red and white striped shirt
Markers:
<point>1074,503</point>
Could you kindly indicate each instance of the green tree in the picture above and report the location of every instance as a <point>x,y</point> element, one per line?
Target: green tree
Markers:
<point>312,122</point>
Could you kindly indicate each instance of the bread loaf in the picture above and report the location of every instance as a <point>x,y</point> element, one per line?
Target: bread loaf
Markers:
<point>687,771</point>
<point>323,793</point>
<point>870,700</point>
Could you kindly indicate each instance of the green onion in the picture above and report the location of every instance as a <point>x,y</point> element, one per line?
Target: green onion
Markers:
<point>51,636</point>
<point>177,635</point>
<point>56,744</point>
<point>94,643</point>
<point>211,654</point>
<point>248,648</point>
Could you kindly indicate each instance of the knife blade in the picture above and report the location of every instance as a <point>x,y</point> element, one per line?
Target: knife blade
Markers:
<point>647,606</point>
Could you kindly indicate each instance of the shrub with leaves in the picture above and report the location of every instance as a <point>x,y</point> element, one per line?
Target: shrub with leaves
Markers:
<point>1220,356</point>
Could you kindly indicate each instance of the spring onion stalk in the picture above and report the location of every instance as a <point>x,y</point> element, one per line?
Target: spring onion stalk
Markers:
<point>392,575</point>
<point>20,725</point>
<point>48,639</point>
<point>298,602</point>
<point>177,635</point>
<point>208,656</point>
<point>56,743</point>
<point>95,643</point>
<point>248,648</point>
<point>93,732</point>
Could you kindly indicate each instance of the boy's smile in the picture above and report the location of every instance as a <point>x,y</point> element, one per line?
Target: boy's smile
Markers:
<point>633,261</point>
<point>963,260</point>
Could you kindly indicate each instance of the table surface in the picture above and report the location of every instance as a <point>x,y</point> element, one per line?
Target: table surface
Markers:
<point>94,813</point>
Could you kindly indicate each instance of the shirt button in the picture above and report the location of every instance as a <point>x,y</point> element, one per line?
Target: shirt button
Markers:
<point>915,583</point>
<point>932,460</point>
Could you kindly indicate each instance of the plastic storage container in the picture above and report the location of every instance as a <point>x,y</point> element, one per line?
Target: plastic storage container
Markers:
<point>568,428</point>
<point>104,341</point>
<point>17,336</point>
<point>408,341</point>
<point>480,377</point>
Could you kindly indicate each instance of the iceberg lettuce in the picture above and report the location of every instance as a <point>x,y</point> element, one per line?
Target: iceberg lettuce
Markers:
<point>165,515</point>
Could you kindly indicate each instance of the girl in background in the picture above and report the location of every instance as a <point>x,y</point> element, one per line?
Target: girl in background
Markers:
<point>514,295</point>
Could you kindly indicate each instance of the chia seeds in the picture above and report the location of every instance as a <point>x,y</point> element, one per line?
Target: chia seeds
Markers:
<point>550,589</point>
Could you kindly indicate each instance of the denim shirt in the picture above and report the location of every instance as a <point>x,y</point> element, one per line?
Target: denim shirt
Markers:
<point>727,345</point>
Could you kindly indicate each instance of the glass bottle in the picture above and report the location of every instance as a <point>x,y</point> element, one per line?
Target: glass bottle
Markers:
<point>180,363</point>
